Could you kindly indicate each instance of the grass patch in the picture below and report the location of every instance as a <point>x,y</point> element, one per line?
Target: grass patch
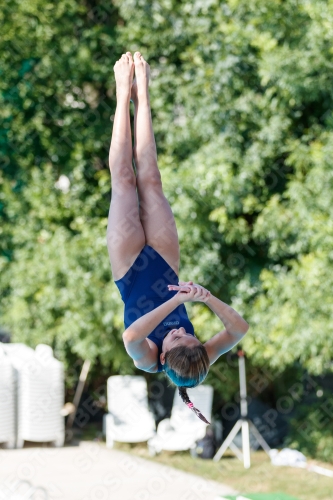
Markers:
<point>262,477</point>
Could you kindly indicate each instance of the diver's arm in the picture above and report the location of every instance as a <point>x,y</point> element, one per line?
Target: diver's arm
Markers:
<point>135,336</point>
<point>142,327</point>
<point>235,329</point>
<point>233,322</point>
<point>235,326</point>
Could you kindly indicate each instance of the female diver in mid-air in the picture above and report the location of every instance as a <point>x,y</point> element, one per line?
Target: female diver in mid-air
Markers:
<point>144,251</point>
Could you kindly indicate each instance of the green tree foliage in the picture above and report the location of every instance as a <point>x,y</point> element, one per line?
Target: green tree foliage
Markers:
<point>241,97</point>
<point>58,288</point>
<point>56,69</point>
<point>56,102</point>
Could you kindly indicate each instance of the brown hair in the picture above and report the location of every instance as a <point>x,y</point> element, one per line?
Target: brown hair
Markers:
<point>187,367</point>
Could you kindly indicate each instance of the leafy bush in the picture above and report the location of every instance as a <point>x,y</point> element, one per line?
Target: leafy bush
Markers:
<point>311,429</point>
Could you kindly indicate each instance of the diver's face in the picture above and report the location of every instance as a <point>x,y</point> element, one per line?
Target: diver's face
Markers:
<point>178,337</point>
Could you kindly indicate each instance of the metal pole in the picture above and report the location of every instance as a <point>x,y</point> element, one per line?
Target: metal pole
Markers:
<point>246,444</point>
<point>78,392</point>
<point>231,436</point>
<point>259,438</point>
<point>244,410</point>
<point>243,424</point>
<point>242,383</point>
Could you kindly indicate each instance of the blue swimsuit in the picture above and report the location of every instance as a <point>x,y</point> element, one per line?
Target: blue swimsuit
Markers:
<point>145,287</point>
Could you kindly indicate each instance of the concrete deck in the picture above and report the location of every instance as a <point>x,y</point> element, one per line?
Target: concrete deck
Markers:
<point>90,471</point>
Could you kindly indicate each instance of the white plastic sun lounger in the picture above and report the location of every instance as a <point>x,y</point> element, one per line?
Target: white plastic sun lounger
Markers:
<point>129,419</point>
<point>184,428</point>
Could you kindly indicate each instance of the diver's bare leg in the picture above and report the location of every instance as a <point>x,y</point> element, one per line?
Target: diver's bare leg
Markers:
<point>156,216</point>
<point>125,234</point>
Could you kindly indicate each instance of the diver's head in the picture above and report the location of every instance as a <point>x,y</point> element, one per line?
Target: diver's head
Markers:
<point>185,362</point>
<point>184,358</point>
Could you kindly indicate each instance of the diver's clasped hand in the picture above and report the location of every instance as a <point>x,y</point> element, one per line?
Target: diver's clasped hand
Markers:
<point>190,292</point>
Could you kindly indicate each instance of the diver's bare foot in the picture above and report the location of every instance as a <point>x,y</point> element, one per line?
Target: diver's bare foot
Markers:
<point>124,70</point>
<point>142,74</point>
